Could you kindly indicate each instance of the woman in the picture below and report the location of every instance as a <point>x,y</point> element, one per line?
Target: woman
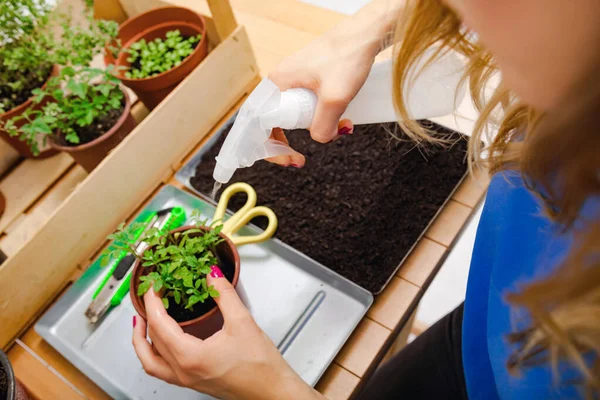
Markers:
<point>530,325</point>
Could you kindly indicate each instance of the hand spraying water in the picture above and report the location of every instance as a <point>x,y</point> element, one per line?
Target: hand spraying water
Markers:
<point>434,93</point>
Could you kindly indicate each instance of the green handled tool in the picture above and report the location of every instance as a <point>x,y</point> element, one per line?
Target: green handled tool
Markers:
<point>115,284</point>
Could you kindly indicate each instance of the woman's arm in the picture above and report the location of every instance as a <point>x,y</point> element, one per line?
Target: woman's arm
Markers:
<point>335,66</point>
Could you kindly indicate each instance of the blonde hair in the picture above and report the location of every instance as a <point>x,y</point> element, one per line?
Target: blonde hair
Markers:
<point>557,153</point>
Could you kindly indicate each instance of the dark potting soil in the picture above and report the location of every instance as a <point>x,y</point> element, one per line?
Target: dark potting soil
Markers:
<point>3,384</point>
<point>97,128</point>
<point>31,80</point>
<point>360,203</point>
<point>180,314</point>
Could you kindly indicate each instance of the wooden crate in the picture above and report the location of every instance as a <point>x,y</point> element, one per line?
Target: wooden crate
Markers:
<point>41,267</point>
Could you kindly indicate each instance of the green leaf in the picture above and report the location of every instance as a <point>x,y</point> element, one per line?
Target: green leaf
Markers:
<point>78,89</point>
<point>143,288</point>
<point>39,126</point>
<point>177,296</point>
<point>165,302</point>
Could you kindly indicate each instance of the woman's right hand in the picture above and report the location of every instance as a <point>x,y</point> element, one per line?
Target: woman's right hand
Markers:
<point>335,67</point>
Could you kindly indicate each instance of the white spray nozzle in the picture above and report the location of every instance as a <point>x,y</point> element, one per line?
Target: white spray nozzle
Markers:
<point>433,94</point>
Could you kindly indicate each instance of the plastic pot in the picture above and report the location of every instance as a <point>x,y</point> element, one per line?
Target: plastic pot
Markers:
<point>153,90</point>
<point>90,154</point>
<point>210,322</point>
<point>14,390</point>
<point>19,145</point>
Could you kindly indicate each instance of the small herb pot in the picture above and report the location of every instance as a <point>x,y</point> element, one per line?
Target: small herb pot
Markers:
<point>8,382</point>
<point>19,145</point>
<point>90,154</point>
<point>149,26</point>
<point>210,319</point>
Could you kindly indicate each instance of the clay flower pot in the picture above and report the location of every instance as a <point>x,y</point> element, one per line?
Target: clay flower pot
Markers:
<point>18,145</point>
<point>149,26</point>
<point>211,321</point>
<point>8,381</point>
<point>2,204</point>
<point>90,154</point>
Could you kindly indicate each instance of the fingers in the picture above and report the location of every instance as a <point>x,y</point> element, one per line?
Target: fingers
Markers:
<point>229,302</point>
<point>330,106</point>
<point>295,160</point>
<point>165,332</point>
<point>153,364</point>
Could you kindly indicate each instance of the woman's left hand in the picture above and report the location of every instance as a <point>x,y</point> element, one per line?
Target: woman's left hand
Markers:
<point>238,362</point>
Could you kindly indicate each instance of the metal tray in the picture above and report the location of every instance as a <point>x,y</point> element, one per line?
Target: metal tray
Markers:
<point>306,309</point>
<point>188,171</point>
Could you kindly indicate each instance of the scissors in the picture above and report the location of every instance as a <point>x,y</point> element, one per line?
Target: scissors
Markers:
<point>244,215</point>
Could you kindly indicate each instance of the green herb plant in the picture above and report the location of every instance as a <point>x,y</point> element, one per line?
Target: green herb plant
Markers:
<point>33,39</point>
<point>178,263</point>
<point>78,98</point>
<point>157,56</point>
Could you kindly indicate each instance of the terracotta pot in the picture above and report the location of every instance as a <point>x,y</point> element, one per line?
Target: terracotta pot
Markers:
<point>2,204</point>
<point>153,90</point>
<point>211,322</point>
<point>19,145</point>
<point>90,154</point>
<point>15,390</point>
<point>135,25</point>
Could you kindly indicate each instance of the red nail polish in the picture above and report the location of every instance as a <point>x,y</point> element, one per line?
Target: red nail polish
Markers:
<point>295,165</point>
<point>216,272</point>
<point>344,131</point>
<point>134,321</point>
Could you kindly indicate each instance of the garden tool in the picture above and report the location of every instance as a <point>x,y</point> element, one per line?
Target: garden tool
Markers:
<point>244,215</point>
<point>115,285</point>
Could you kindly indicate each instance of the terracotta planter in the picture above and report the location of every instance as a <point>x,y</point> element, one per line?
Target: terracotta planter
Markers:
<point>135,25</point>
<point>155,24</point>
<point>2,204</point>
<point>212,321</point>
<point>18,145</point>
<point>90,154</point>
<point>15,390</point>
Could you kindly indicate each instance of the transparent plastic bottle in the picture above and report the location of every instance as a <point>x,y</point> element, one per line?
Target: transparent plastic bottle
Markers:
<point>434,93</point>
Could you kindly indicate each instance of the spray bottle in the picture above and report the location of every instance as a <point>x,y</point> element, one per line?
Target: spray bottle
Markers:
<point>433,93</point>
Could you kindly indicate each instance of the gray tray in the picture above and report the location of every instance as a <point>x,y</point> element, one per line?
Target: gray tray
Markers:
<point>188,171</point>
<point>306,309</point>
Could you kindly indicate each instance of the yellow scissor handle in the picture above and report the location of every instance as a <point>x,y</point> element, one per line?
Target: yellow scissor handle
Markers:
<point>244,215</point>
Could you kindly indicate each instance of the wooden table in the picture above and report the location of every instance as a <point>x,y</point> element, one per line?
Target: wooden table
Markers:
<point>276,28</point>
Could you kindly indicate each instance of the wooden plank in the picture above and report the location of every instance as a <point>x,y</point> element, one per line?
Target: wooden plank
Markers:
<point>421,262</point>
<point>62,366</point>
<point>33,221</point>
<point>448,223</point>
<point>391,305</point>
<point>28,182</point>
<point>472,189</point>
<point>8,157</point>
<point>292,13</point>
<point>124,178</point>
<point>139,111</point>
<point>38,380</point>
<point>109,9</point>
<point>223,18</point>
<point>402,339</point>
<point>363,347</point>
<point>337,383</point>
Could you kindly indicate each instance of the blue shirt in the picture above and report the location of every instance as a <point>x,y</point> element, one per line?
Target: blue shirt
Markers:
<point>515,244</point>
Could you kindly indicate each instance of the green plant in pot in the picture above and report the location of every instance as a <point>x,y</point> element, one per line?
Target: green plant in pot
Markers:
<point>34,41</point>
<point>175,264</point>
<point>160,48</point>
<point>84,113</point>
